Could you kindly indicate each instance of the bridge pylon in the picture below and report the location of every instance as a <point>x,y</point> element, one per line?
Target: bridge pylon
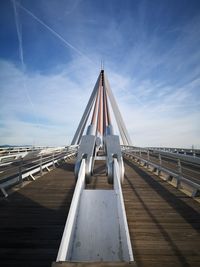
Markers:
<point>96,229</point>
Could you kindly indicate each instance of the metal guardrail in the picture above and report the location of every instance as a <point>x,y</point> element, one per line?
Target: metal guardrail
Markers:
<point>177,151</point>
<point>193,158</point>
<point>38,166</point>
<point>184,157</point>
<point>188,166</point>
<point>185,151</point>
<point>169,175</point>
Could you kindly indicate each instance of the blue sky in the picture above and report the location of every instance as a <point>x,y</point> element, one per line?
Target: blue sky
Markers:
<point>49,67</point>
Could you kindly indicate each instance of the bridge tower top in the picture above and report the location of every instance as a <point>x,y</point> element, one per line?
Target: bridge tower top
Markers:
<point>99,105</point>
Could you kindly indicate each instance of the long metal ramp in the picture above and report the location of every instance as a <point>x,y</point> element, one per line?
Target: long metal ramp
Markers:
<point>96,229</point>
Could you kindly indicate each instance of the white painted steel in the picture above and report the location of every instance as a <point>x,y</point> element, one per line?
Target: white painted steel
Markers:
<point>121,125</point>
<point>121,211</point>
<point>186,151</point>
<point>30,173</point>
<point>96,227</point>
<point>100,158</point>
<point>83,121</point>
<point>164,152</point>
<point>65,245</point>
<point>118,117</point>
<point>97,234</point>
<point>186,158</point>
<point>8,159</point>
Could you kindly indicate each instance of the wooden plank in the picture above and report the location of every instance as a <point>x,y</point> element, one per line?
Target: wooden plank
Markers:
<point>164,223</point>
<point>32,219</point>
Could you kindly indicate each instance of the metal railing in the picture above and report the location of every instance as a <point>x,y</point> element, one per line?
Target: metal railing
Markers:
<point>16,174</point>
<point>187,165</point>
<point>166,173</point>
<point>183,151</point>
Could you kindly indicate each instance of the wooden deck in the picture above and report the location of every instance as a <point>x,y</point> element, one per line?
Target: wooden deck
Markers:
<point>164,223</point>
<point>32,220</point>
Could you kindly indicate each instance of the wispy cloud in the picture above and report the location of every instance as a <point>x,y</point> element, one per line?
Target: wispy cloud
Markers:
<point>151,58</point>
<point>58,98</point>
<point>61,98</point>
<point>56,34</point>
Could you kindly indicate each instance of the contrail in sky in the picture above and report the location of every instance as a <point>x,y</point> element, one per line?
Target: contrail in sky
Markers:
<point>21,55</point>
<point>19,34</point>
<point>54,32</point>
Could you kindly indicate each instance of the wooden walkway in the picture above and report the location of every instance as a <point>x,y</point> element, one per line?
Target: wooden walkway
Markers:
<point>32,220</point>
<point>164,223</point>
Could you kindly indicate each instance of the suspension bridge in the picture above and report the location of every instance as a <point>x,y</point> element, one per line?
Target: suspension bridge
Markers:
<point>100,201</point>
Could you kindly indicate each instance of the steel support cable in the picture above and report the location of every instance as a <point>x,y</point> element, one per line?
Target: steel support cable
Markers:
<point>83,121</point>
<point>116,114</point>
<point>122,128</point>
<point>100,111</point>
<point>105,118</point>
<point>95,111</point>
<point>118,122</point>
<point>107,109</point>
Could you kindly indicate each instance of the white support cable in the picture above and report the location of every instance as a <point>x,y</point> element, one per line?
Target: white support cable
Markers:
<point>85,116</point>
<point>118,117</point>
<point>121,125</point>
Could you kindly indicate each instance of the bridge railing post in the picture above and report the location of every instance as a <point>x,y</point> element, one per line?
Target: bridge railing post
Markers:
<point>179,167</point>
<point>160,159</point>
<point>148,156</point>
<point>41,172</point>
<point>53,161</point>
<point>180,174</point>
<point>20,171</point>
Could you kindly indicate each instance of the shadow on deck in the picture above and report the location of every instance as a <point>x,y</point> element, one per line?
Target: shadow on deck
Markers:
<point>33,218</point>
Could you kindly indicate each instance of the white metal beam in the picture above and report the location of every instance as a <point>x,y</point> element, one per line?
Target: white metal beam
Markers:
<point>83,121</point>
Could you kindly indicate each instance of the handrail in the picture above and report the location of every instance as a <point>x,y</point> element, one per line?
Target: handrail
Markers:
<point>29,172</point>
<point>179,177</point>
<point>185,157</point>
<point>35,163</point>
<point>169,149</point>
